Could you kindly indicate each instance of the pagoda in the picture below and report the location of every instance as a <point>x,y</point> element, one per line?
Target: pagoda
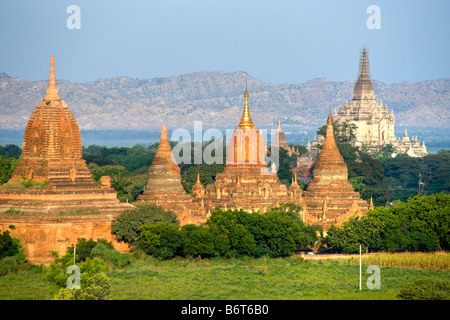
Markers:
<point>246,182</point>
<point>164,186</point>
<point>279,141</point>
<point>375,124</point>
<point>51,176</point>
<point>51,183</point>
<point>330,197</point>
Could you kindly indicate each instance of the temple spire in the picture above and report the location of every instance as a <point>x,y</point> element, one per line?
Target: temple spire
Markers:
<point>329,119</point>
<point>246,120</point>
<point>363,89</point>
<point>52,93</point>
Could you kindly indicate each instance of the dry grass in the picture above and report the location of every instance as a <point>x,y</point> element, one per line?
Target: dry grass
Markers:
<point>419,260</point>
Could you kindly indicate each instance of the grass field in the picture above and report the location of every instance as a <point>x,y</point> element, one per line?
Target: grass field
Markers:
<point>235,279</point>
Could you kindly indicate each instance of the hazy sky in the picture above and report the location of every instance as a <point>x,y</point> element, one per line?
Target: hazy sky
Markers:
<point>274,41</point>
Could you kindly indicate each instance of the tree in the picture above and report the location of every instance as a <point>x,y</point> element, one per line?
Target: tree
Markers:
<point>9,246</point>
<point>344,132</point>
<point>285,164</point>
<point>98,287</point>
<point>162,240</point>
<point>7,167</point>
<point>420,224</point>
<point>198,241</point>
<point>10,151</point>
<point>128,225</point>
<point>207,172</point>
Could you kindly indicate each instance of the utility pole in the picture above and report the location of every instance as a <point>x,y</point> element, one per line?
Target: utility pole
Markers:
<point>421,184</point>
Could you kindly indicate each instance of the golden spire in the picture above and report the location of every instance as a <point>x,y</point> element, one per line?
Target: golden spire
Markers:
<point>279,125</point>
<point>330,119</point>
<point>52,93</point>
<point>246,120</point>
<point>198,177</point>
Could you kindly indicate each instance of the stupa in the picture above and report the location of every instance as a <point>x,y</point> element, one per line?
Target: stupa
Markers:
<point>52,182</point>
<point>330,197</point>
<point>164,186</point>
<point>279,141</point>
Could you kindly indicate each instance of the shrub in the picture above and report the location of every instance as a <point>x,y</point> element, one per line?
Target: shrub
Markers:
<point>84,248</point>
<point>98,287</point>
<point>426,289</point>
<point>88,263</point>
<point>420,224</point>
<point>9,246</point>
<point>162,240</point>
<point>110,255</point>
<point>128,225</point>
<point>278,232</point>
<point>198,241</point>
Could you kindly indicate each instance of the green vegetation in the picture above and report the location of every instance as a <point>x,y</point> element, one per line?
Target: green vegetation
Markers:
<point>7,166</point>
<point>95,285</point>
<point>12,211</point>
<point>207,172</point>
<point>10,151</point>
<point>386,179</point>
<point>403,175</point>
<point>78,213</point>
<point>98,287</point>
<point>420,224</point>
<point>227,279</point>
<point>426,289</point>
<point>107,274</point>
<point>25,183</point>
<point>127,167</point>
<point>10,246</point>
<point>128,225</point>
<point>232,233</point>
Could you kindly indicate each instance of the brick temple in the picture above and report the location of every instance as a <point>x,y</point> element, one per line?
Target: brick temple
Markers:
<point>164,186</point>
<point>51,182</point>
<point>247,183</point>
<point>330,197</point>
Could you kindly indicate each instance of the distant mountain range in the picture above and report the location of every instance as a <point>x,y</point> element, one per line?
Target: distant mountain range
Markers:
<point>216,99</point>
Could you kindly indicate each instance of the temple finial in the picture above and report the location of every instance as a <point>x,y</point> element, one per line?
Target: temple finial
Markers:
<point>330,118</point>
<point>363,89</point>
<point>246,120</point>
<point>364,67</point>
<point>52,93</point>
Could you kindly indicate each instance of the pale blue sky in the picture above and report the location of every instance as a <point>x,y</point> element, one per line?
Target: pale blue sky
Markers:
<point>278,41</point>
